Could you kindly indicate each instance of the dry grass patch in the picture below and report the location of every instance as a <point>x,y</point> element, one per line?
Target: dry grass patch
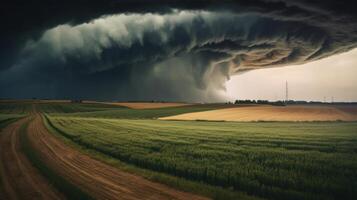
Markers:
<point>272,113</point>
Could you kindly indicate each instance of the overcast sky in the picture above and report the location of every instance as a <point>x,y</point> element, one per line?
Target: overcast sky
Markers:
<point>335,76</point>
<point>168,50</point>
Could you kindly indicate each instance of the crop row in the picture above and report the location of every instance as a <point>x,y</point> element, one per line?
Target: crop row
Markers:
<point>273,160</point>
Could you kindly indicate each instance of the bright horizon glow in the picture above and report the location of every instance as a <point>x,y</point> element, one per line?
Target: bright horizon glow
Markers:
<point>332,77</point>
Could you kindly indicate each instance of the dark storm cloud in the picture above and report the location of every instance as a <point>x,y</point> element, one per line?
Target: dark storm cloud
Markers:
<point>173,51</point>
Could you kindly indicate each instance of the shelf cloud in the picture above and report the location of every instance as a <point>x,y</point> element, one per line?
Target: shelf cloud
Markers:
<point>173,51</point>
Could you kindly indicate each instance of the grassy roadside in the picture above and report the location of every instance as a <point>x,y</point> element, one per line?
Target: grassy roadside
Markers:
<point>64,186</point>
<point>6,121</point>
<point>200,188</point>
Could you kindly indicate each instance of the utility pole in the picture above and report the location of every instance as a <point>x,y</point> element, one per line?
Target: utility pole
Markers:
<point>286,92</point>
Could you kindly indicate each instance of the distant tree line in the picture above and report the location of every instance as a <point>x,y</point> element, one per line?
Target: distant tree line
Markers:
<point>261,102</point>
<point>283,103</point>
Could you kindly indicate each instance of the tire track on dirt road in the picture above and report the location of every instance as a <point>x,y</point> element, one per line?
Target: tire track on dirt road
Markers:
<point>94,177</point>
<point>21,180</point>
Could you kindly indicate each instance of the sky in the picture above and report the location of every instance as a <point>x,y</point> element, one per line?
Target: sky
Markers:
<point>332,78</point>
<point>171,50</point>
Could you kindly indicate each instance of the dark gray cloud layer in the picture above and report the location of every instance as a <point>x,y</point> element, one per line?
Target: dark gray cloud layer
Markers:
<point>181,51</point>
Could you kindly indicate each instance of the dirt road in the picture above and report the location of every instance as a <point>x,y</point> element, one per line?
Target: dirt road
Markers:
<point>94,177</point>
<point>20,180</point>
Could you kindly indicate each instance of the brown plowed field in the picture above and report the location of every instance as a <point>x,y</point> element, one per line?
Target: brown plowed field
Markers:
<point>20,180</point>
<point>274,113</point>
<point>94,177</point>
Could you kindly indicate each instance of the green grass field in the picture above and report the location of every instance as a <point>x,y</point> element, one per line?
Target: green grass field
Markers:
<point>75,107</point>
<point>270,160</point>
<point>6,119</point>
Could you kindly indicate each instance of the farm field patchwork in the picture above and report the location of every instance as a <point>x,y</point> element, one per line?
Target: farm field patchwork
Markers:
<point>277,160</point>
<point>226,160</point>
<point>127,113</point>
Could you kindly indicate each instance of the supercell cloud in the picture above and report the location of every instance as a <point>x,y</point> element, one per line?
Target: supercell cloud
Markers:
<point>177,51</point>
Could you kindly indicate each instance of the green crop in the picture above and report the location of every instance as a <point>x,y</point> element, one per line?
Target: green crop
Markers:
<point>271,160</point>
